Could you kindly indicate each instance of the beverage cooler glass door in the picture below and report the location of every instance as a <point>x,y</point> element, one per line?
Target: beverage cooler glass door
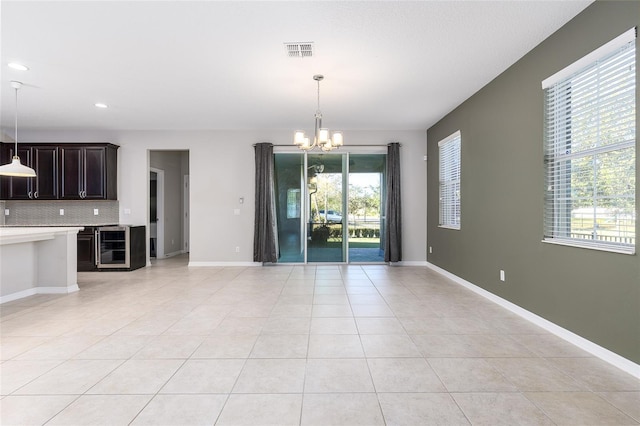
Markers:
<point>113,247</point>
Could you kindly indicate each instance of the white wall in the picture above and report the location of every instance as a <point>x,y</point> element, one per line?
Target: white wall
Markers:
<point>221,168</point>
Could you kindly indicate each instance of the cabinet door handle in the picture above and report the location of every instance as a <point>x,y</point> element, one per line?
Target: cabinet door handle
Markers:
<point>35,194</point>
<point>30,195</point>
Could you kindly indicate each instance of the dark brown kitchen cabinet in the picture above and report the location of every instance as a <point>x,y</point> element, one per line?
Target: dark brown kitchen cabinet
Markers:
<point>15,188</point>
<point>71,173</point>
<point>63,171</point>
<point>87,249</point>
<point>88,172</point>
<point>44,160</point>
<point>45,163</point>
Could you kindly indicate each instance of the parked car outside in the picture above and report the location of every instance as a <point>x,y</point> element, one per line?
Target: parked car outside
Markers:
<point>330,216</point>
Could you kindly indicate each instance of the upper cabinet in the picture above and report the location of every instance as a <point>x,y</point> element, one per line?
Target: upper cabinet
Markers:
<point>45,163</point>
<point>16,188</point>
<point>44,160</point>
<point>64,171</point>
<point>88,172</point>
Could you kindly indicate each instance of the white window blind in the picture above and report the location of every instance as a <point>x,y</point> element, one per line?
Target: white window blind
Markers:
<point>449,150</point>
<point>590,153</point>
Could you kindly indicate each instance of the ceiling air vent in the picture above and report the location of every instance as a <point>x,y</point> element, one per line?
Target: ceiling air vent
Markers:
<point>299,50</point>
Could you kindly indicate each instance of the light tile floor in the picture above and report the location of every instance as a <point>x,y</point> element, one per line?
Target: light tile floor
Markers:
<point>300,345</point>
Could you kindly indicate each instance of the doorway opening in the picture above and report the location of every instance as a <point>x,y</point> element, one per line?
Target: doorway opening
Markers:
<point>168,203</point>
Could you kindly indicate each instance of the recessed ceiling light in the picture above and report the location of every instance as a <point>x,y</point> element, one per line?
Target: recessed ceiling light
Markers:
<point>19,67</point>
<point>101,105</point>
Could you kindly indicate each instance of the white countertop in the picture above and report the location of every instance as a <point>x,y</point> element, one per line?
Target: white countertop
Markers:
<point>15,235</point>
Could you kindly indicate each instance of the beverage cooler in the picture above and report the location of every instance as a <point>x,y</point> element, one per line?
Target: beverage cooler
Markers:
<point>120,248</point>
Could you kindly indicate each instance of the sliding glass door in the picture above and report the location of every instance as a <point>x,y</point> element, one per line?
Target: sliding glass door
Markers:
<point>289,188</point>
<point>330,207</point>
<point>366,207</point>
<point>326,215</point>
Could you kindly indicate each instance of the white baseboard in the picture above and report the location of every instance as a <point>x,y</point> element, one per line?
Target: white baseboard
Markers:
<point>413,263</point>
<point>225,263</point>
<point>606,355</point>
<point>38,290</point>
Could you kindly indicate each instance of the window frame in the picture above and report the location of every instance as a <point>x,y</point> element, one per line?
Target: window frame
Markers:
<point>559,131</point>
<point>449,205</point>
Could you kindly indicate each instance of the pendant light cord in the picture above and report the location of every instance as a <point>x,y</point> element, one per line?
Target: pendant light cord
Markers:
<point>15,154</point>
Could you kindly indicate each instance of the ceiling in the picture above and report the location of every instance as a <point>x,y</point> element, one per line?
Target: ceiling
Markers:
<point>223,65</point>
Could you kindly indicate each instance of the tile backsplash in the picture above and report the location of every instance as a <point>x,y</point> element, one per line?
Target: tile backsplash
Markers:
<point>47,213</point>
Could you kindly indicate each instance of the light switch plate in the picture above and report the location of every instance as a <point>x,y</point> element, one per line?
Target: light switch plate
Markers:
<point>61,212</point>
<point>96,212</point>
<point>6,212</point>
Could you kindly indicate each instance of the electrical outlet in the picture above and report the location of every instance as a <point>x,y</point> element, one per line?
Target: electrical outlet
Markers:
<point>6,212</point>
<point>502,278</point>
<point>96,212</point>
<point>61,212</point>
<point>237,249</point>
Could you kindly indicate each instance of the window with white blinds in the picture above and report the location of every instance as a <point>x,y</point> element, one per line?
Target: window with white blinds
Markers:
<point>590,150</point>
<point>449,150</point>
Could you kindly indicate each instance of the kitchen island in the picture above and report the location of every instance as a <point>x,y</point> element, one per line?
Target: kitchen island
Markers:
<point>37,260</point>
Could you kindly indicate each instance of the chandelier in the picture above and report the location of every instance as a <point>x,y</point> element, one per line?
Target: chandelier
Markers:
<point>321,137</point>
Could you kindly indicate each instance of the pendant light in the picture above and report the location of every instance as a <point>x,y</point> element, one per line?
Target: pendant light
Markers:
<point>321,137</point>
<point>15,168</point>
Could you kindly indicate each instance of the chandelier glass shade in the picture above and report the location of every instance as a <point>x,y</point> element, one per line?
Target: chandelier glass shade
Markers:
<point>322,137</point>
<point>16,168</point>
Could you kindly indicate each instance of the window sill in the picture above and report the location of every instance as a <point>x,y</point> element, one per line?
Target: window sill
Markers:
<point>455,228</point>
<point>577,244</point>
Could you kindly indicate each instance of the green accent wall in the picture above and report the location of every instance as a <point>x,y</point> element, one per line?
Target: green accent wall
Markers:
<point>592,293</point>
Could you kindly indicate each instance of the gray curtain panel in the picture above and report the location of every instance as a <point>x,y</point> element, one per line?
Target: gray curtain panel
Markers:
<point>265,244</point>
<point>393,231</point>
